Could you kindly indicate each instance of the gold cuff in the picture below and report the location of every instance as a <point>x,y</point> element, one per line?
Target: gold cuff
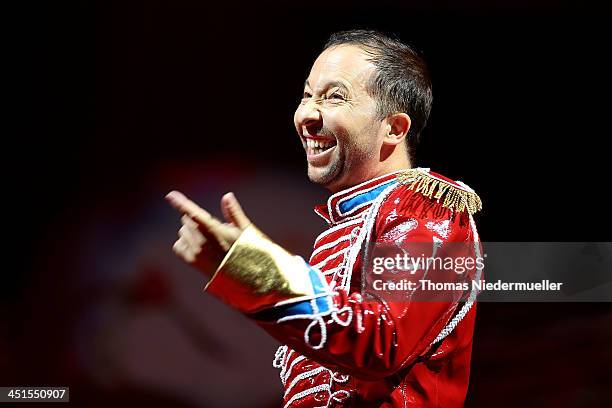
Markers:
<point>256,274</point>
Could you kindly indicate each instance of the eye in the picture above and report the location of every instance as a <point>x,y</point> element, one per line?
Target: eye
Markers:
<point>336,96</point>
<point>307,95</point>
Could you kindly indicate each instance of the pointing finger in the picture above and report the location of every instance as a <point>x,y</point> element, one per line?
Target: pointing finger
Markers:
<point>188,207</point>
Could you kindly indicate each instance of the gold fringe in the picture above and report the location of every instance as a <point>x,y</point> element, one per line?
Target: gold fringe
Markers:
<point>454,198</point>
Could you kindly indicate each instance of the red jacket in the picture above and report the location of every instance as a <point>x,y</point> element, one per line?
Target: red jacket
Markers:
<point>341,349</point>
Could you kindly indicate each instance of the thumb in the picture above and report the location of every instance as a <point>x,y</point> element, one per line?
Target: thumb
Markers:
<point>233,211</point>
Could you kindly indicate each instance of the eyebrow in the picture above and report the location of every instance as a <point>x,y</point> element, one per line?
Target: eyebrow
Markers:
<point>330,84</point>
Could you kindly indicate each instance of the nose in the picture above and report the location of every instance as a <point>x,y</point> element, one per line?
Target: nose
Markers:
<point>307,114</point>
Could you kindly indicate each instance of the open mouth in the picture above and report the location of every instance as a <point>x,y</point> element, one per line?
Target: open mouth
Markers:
<point>318,146</point>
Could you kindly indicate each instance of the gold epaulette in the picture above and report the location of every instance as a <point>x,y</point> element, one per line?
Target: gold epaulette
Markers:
<point>455,198</point>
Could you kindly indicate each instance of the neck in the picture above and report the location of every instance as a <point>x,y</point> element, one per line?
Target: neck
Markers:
<point>394,163</point>
<point>391,165</point>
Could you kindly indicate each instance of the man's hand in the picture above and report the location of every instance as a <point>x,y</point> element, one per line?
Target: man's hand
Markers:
<point>203,239</point>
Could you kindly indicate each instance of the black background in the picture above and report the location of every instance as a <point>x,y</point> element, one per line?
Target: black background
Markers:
<point>108,92</point>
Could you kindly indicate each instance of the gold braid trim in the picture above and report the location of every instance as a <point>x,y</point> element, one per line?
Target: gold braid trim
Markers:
<point>454,198</point>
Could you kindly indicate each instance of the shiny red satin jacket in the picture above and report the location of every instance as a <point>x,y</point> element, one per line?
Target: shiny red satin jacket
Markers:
<point>342,350</point>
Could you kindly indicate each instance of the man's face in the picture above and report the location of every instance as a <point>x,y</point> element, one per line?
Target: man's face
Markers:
<point>337,119</point>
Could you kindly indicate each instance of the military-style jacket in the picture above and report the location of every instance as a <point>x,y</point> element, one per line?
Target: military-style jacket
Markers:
<point>341,348</point>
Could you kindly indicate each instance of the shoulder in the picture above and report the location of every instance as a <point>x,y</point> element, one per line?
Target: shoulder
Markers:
<point>422,194</point>
<point>440,190</point>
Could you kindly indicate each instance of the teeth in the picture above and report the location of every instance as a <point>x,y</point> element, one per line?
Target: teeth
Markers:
<point>319,144</point>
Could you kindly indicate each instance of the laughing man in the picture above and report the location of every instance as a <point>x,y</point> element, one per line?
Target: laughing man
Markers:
<point>365,102</point>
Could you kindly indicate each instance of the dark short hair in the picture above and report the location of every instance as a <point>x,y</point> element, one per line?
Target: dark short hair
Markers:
<point>400,82</point>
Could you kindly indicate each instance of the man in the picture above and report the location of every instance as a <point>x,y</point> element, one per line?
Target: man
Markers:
<point>365,102</point>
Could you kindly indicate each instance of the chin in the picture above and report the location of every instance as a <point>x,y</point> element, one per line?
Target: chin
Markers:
<point>319,176</point>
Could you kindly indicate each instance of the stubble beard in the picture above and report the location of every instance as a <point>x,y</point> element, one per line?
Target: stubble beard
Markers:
<point>342,169</point>
<point>348,163</point>
<point>325,177</point>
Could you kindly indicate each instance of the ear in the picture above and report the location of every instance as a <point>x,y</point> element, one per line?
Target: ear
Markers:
<point>398,126</point>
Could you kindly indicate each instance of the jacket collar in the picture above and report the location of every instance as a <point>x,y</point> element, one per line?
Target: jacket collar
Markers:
<point>350,203</point>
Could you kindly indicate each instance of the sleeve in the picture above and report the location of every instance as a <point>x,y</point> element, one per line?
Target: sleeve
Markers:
<point>291,300</point>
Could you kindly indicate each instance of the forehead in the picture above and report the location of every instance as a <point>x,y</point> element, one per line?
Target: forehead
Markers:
<point>346,63</point>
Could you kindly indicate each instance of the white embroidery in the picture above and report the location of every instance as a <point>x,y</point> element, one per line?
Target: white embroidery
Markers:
<point>284,370</point>
<point>332,271</point>
<point>301,299</point>
<point>343,377</point>
<point>330,257</point>
<point>330,245</point>
<point>347,320</point>
<point>470,301</point>
<point>336,228</point>
<point>288,371</point>
<point>304,393</point>
<point>323,328</point>
<point>303,376</point>
<point>279,357</point>
<point>354,217</point>
<point>336,395</point>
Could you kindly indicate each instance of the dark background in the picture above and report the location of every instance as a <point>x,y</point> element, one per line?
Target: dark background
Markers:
<point>116,103</point>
